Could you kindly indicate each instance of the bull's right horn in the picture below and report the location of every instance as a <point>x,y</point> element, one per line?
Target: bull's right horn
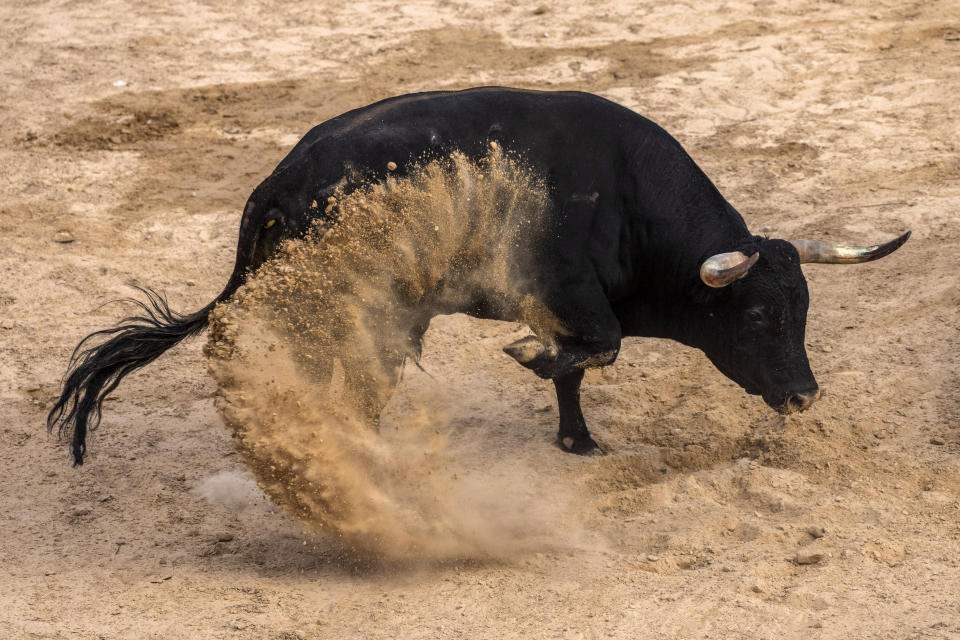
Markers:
<point>722,269</point>
<point>835,253</point>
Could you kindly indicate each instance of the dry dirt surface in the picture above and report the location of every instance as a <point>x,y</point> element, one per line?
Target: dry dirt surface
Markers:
<point>132,133</point>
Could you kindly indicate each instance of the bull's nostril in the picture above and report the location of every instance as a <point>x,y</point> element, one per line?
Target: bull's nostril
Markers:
<point>793,403</point>
<point>802,401</point>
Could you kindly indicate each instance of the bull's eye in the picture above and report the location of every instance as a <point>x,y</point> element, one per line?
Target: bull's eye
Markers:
<point>270,223</point>
<point>755,316</point>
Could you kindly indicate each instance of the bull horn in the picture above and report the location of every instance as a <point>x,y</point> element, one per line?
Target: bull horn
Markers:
<point>834,253</point>
<point>722,269</point>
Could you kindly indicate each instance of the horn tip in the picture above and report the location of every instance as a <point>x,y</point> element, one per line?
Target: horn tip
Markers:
<point>895,244</point>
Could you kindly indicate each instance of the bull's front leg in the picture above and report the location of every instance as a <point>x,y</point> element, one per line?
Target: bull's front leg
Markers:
<point>573,435</point>
<point>591,338</point>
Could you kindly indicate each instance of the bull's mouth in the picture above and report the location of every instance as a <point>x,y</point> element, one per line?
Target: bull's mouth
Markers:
<point>784,409</point>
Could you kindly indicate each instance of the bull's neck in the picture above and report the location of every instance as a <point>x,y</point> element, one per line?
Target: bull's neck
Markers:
<point>680,220</point>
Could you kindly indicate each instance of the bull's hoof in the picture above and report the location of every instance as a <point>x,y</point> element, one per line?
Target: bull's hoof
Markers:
<point>542,358</point>
<point>581,445</point>
<point>536,356</point>
<point>550,362</point>
<point>530,349</point>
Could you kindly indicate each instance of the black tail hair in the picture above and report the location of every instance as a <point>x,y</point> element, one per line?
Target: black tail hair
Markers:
<point>96,370</point>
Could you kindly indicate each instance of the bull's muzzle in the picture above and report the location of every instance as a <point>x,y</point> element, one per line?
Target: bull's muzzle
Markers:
<point>800,401</point>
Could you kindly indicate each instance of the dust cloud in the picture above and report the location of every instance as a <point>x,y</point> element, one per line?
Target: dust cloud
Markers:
<point>233,490</point>
<point>309,351</point>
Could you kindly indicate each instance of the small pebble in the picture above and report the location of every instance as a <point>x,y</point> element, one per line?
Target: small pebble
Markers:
<point>63,237</point>
<point>936,440</point>
<point>224,537</point>
<point>391,166</point>
<point>7,324</point>
<point>816,532</point>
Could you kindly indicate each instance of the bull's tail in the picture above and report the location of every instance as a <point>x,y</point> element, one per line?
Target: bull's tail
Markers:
<point>96,369</point>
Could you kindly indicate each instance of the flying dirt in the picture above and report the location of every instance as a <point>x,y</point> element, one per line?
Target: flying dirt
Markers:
<point>309,349</point>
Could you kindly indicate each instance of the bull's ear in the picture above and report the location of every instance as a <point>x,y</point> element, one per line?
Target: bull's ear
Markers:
<point>722,269</point>
<point>834,253</point>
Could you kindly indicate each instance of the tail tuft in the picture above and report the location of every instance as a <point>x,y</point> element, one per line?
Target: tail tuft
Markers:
<point>96,369</point>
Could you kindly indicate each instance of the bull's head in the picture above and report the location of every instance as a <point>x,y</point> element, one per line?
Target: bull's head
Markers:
<point>756,319</point>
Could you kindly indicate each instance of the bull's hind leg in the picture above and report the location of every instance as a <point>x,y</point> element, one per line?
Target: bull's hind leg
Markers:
<point>368,388</point>
<point>372,365</point>
<point>573,435</point>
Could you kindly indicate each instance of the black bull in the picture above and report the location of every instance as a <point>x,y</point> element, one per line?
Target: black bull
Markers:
<point>641,244</point>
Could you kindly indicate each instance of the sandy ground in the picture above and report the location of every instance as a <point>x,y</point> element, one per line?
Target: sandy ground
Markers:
<point>139,128</point>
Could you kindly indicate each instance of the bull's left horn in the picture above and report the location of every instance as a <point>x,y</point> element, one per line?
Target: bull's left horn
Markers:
<point>834,253</point>
<point>722,269</point>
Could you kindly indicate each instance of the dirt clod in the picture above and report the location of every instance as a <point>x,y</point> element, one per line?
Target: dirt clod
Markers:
<point>809,556</point>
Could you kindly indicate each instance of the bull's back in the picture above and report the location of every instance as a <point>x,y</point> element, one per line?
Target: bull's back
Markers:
<point>558,132</point>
